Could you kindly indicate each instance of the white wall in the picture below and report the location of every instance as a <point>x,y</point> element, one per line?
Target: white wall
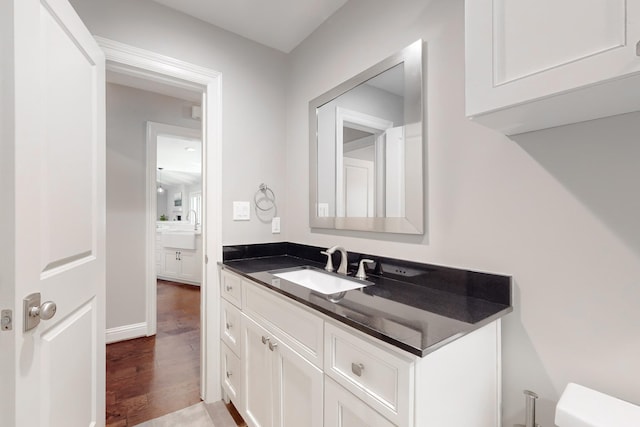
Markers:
<point>556,209</point>
<point>128,111</point>
<point>253,96</point>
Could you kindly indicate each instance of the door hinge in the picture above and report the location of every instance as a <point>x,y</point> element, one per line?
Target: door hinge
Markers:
<point>6,317</point>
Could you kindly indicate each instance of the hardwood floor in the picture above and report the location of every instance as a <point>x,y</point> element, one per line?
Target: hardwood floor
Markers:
<point>152,376</point>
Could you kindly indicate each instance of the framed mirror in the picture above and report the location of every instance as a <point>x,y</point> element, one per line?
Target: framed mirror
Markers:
<point>366,149</point>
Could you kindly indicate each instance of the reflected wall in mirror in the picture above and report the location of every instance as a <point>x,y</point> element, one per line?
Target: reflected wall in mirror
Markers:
<point>366,149</point>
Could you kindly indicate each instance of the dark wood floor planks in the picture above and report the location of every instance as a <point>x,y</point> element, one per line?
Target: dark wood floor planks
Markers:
<point>153,376</point>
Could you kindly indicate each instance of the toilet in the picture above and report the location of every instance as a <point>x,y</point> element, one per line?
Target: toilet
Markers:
<point>580,406</point>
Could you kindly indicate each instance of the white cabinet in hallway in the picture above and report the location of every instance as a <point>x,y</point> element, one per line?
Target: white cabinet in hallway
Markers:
<point>536,64</point>
<point>179,265</point>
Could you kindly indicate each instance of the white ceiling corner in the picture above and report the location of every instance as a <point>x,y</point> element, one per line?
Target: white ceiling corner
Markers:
<point>280,24</point>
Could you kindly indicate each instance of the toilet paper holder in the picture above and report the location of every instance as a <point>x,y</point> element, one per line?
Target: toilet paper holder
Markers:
<point>530,410</point>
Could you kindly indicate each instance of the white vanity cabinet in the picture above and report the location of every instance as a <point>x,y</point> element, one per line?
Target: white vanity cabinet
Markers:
<point>299,367</point>
<point>535,64</point>
<point>179,265</point>
<point>281,349</point>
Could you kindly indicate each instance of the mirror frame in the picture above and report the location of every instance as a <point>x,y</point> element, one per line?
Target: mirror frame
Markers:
<point>413,221</point>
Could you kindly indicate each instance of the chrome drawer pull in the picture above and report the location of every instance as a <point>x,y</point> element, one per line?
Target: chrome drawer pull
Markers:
<point>273,345</point>
<point>357,368</point>
<point>229,325</point>
<point>229,374</point>
<point>265,340</point>
<point>229,288</point>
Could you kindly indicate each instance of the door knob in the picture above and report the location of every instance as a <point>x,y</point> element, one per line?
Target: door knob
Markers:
<point>46,311</point>
<point>33,311</point>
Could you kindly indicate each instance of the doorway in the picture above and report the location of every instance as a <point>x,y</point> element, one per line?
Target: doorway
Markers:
<point>154,70</point>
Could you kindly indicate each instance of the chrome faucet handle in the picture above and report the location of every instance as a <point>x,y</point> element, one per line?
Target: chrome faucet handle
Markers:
<point>362,274</point>
<point>329,266</point>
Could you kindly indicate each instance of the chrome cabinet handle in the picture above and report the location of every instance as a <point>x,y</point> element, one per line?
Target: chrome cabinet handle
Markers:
<point>229,288</point>
<point>265,339</point>
<point>357,369</point>
<point>229,373</point>
<point>273,345</point>
<point>229,325</point>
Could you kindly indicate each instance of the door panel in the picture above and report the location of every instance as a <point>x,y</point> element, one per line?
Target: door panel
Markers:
<point>345,410</point>
<point>70,370</point>
<point>258,385</point>
<point>58,196</point>
<point>68,138</point>
<point>298,390</point>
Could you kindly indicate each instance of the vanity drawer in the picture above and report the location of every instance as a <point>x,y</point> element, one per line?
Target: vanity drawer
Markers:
<point>381,378</point>
<point>230,323</point>
<point>300,329</point>
<point>231,288</point>
<point>231,375</point>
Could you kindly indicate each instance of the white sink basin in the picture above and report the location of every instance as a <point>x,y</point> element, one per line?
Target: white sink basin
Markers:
<point>320,281</point>
<point>179,239</point>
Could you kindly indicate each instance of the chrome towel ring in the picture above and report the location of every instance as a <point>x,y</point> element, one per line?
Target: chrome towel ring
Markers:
<point>265,198</point>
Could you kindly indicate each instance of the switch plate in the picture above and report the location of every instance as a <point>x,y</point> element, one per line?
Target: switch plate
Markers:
<point>241,211</point>
<point>275,225</point>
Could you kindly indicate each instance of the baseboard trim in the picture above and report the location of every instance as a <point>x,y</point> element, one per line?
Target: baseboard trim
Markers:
<point>126,332</point>
<point>176,280</point>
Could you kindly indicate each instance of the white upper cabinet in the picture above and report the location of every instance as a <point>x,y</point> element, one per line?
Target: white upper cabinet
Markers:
<point>535,64</point>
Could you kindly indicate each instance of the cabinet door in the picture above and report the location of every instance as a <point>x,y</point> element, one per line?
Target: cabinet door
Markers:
<point>171,263</point>
<point>517,51</point>
<point>257,386</point>
<point>345,410</point>
<point>231,375</point>
<point>189,265</point>
<point>298,393</point>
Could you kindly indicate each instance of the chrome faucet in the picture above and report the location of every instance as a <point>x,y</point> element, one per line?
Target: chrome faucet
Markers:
<point>195,215</point>
<point>342,269</point>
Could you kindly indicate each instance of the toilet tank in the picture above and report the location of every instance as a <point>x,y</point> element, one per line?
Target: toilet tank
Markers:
<point>580,406</point>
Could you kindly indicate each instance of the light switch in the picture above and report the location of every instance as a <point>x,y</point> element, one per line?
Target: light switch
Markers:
<point>275,225</point>
<point>241,211</point>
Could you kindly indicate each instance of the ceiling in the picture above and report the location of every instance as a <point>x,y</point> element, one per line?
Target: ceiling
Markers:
<point>180,160</point>
<point>280,24</point>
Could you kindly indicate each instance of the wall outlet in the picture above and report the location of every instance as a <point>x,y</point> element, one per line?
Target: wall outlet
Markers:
<point>323,209</point>
<point>241,211</point>
<point>275,225</point>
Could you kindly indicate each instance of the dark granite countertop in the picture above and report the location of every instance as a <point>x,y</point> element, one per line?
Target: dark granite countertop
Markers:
<point>419,309</point>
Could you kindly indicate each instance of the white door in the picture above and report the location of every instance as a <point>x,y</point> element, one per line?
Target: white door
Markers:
<point>53,225</point>
<point>358,187</point>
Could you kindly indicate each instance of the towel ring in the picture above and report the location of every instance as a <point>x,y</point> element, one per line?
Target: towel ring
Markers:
<point>268,202</point>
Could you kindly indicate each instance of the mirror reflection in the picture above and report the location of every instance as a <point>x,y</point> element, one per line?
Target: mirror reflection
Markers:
<point>359,171</point>
<point>366,142</point>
